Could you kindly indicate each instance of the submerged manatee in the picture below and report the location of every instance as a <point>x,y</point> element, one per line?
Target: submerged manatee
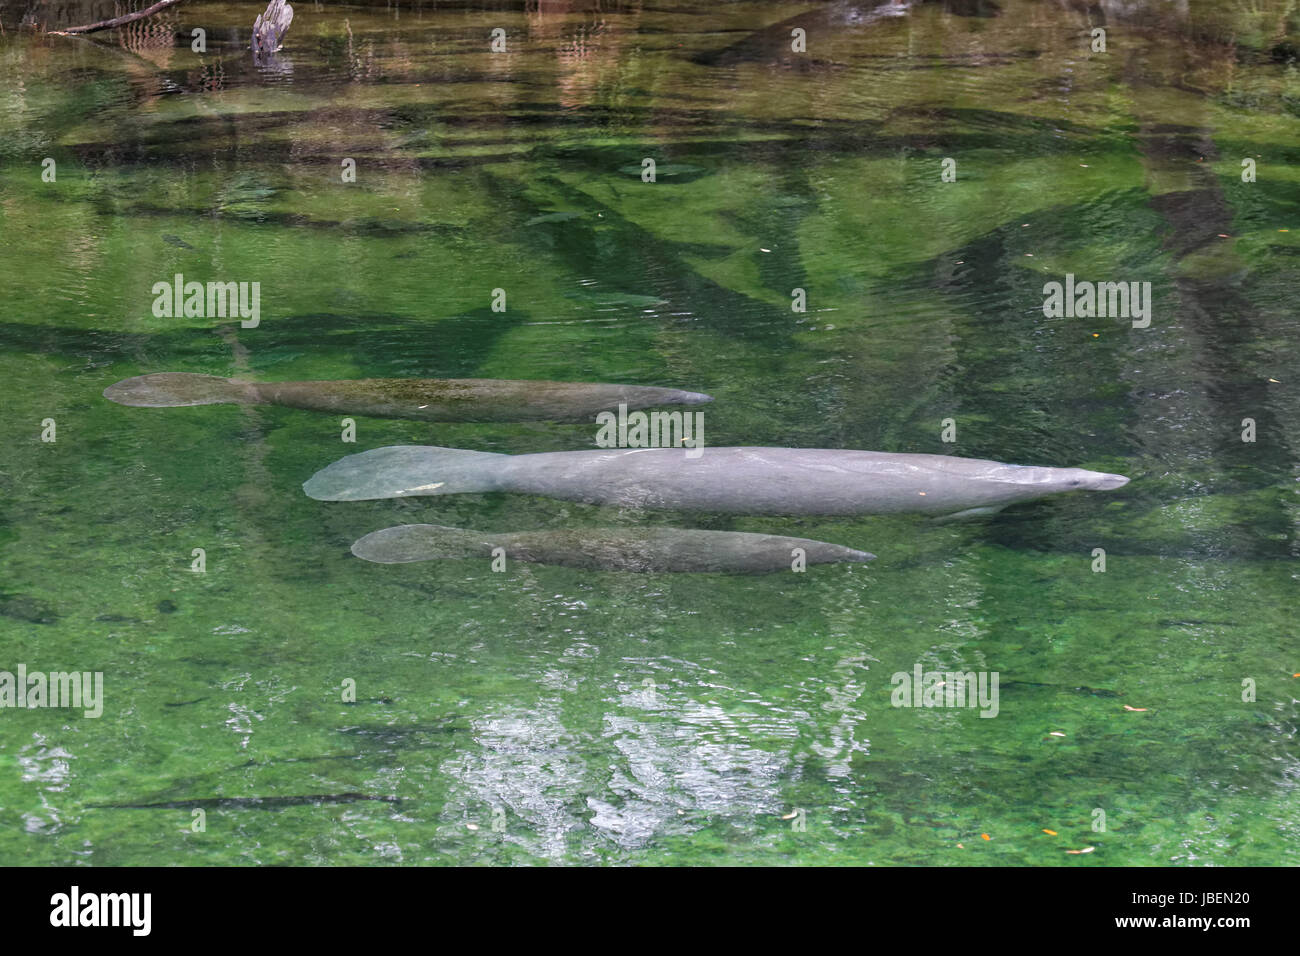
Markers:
<point>422,399</point>
<point>607,549</point>
<point>735,480</point>
<point>831,20</point>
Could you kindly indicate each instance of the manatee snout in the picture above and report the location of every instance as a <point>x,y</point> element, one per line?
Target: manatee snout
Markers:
<point>853,556</point>
<point>1095,481</point>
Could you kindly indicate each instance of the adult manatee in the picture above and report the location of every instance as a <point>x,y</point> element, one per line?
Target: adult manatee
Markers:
<point>812,481</point>
<point>608,549</point>
<point>422,399</point>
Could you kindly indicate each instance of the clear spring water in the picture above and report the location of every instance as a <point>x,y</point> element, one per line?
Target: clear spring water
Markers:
<point>518,702</point>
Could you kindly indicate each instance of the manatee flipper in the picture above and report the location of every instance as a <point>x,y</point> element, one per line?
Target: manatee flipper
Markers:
<point>968,514</point>
<point>172,389</point>
<point>401,470</point>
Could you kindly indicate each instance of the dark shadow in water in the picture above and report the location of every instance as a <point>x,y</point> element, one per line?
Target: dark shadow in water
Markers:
<point>385,346</point>
<point>659,268</point>
<point>1094,411</point>
<point>197,141</point>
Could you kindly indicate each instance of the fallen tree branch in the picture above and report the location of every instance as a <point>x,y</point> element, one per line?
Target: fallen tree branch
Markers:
<point>116,21</point>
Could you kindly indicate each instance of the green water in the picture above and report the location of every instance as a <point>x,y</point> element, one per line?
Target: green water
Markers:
<point>655,719</point>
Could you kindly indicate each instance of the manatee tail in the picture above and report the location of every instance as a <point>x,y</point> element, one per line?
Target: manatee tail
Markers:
<point>399,471</point>
<point>170,389</point>
<point>421,542</point>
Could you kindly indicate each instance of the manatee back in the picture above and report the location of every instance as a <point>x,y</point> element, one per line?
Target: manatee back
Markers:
<point>608,549</point>
<point>752,480</point>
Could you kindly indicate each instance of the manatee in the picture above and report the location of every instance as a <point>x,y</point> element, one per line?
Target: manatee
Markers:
<point>607,549</point>
<point>254,803</point>
<point>830,20</point>
<point>812,481</point>
<point>422,399</point>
